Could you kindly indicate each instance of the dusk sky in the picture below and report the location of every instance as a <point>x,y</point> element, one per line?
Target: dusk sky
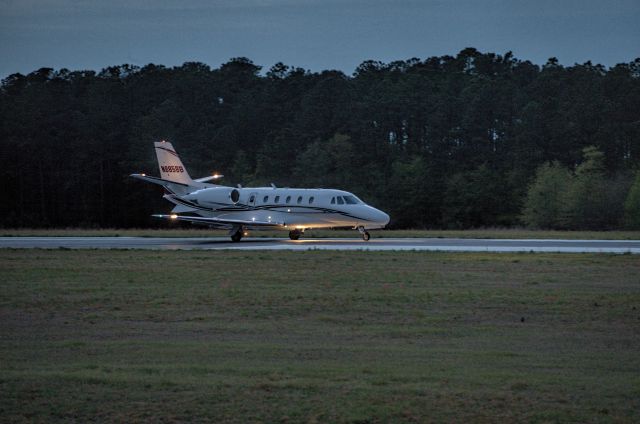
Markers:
<point>313,34</point>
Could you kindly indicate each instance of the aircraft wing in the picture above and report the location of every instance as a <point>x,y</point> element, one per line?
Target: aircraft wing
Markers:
<point>221,221</point>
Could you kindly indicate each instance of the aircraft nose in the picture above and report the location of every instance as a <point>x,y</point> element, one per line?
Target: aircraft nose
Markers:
<point>382,217</point>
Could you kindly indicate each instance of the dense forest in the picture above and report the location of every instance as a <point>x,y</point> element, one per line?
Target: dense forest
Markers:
<point>474,140</point>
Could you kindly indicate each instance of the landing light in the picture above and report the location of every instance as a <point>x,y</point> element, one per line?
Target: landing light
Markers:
<point>144,175</point>
<point>174,216</point>
<point>253,219</point>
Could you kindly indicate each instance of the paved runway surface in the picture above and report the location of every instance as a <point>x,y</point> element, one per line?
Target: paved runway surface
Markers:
<point>430,244</point>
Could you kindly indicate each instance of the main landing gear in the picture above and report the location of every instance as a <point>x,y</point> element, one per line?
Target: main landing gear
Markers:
<point>295,234</point>
<point>364,233</point>
<point>236,234</point>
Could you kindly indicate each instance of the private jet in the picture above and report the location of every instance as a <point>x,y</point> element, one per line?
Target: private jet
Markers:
<point>242,209</point>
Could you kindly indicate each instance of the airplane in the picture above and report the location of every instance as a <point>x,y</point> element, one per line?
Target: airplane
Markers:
<point>241,209</point>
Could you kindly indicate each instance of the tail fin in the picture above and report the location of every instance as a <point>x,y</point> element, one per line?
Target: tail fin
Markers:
<point>171,167</point>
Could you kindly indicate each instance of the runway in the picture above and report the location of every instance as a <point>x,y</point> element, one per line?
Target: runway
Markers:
<point>256,243</point>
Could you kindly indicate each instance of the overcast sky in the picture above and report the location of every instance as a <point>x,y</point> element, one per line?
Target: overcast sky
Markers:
<point>313,34</point>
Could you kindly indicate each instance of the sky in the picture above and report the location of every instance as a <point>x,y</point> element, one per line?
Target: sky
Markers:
<point>312,34</point>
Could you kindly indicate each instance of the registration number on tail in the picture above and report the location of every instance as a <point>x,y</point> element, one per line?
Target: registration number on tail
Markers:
<point>172,168</point>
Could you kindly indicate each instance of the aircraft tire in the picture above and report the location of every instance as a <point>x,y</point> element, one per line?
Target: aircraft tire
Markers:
<point>366,236</point>
<point>236,237</point>
<point>294,235</point>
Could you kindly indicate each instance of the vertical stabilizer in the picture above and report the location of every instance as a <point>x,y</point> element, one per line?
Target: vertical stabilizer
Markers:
<point>171,167</point>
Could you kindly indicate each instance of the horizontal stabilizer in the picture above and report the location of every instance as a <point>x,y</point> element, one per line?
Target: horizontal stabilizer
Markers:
<point>156,180</point>
<point>212,177</point>
<point>172,186</point>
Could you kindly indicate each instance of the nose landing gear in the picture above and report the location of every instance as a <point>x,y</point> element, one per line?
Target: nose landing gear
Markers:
<point>365,234</point>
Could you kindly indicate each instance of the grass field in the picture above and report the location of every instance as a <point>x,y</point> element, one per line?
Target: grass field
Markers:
<point>187,231</point>
<point>133,336</point>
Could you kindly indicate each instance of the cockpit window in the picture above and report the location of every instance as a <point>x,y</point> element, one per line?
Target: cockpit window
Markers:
<point>340,201</point>
<point>252,198</point>
<point>351,200</point>
<point>333,200</point>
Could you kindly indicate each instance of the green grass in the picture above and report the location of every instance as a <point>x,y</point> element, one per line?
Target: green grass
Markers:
<point>136,336</point>
<point>172,231</point>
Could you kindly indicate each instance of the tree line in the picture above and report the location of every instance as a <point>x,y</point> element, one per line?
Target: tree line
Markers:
<point>586,198</point>
<point>471,140</point>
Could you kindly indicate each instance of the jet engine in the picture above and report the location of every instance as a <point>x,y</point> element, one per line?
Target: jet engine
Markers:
<point>214,196</point>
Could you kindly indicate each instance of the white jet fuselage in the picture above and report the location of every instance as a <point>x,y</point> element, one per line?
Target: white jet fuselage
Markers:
<point>291,208</point>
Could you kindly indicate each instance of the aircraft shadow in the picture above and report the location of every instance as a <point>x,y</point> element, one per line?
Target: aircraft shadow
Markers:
<point>240,243</point>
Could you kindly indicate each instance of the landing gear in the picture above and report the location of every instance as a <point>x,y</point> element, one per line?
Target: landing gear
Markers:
<point>236,234</point>
<point>295,234</point>
<point>365,234</point>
